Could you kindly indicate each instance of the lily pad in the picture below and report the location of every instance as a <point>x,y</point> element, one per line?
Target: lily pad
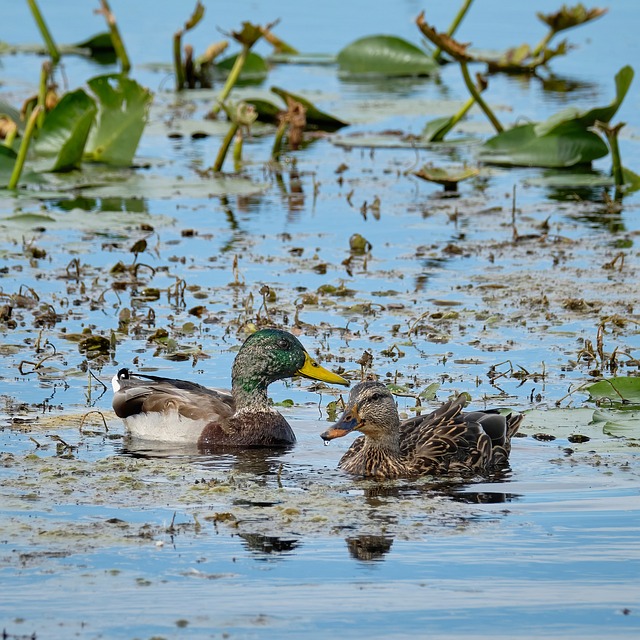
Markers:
<point>564,140</point>
<point>63,136</point>
<point>586,119</point>
<point>255,68</point>
<point>616,390</point>
<point>122,114</point>
<point>315,117</point>
<point>618,423</point>
<point>7,161</point>
<point>99,46</point>
<point>568,145</point>
<point>448,178</point>
<point>582,427</point>
<point>384,55</point>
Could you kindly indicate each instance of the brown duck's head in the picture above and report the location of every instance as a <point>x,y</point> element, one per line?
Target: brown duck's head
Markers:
<point>371,410</point>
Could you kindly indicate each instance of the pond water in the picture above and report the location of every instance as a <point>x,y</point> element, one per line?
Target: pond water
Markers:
<point>105,538</point>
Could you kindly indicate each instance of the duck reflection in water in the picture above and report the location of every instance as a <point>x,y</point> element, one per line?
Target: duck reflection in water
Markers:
<point>369,547</point>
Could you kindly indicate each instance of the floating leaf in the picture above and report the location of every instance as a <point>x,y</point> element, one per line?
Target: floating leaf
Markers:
<point>617,390</point>
<point>267,111</point>
<point>255,68</point>
<point>315,117</point>
<point>623,80</point>
<point>618,423</point>
<point>570,144</point>
<point>122,115</point>
<point>448,178</point>
<point>63,136</point>
<point>386,56</point>
<point>435,129</point>
<point>631,180</point>
<point>570,179</point>
<point>100,47</point>
<point>7,162</point>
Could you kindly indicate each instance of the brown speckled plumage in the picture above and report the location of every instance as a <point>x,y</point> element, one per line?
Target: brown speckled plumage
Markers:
<point>446,441</point>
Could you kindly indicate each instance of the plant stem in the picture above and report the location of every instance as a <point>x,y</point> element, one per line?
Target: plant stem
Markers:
<point>478,98</point>
<point>224,147</point>
<point>24,147</point>
<point>116,40</point>
<point>44,31</point>
<point>232,78</point>
<point>177,60</point>
<point>616,162</point>
<point>42,91</point>
<point>237,151</point>
<point>455,119</point>
<point>542,45</point>
<point>277,141</point>
<point>453,26</point>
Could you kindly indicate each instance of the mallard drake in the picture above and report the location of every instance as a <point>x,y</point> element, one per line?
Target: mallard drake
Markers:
<point>181,412</point>
<point>444,441</point>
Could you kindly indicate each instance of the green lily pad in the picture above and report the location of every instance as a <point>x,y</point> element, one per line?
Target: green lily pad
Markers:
<point>62,139</point>
<point>586,119</point>
<point>255,68</point>
<point>267,111</point>
<point>435,129</point>
<point>568,145</point>
<point>564,140</point>
<point>385,55</point>
<point>616,390</point>
<point>631,180</point>
<point>7,161</point>
<point>448,178</point>
<point>583,428</point>
<point>122,114</point>
<point>100,48</point>
<point>618,423</point>
<point>570,179</point>
<point>315,117</point>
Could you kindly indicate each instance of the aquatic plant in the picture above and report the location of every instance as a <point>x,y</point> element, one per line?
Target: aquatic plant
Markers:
<point>241,116</point>
<point>104,127</point>
<point>180,71</point>
<point>44,31</point>
<point>247,38</point>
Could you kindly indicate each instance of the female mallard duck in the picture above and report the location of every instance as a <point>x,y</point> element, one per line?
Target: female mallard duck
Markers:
<point>178,411</point>
<point>444,441</point>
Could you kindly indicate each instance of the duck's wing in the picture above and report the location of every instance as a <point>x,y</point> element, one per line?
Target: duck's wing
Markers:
<point>152,394</point>
<point>417,432</point>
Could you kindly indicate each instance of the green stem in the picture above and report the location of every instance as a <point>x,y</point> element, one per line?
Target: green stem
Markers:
<point>116,40</point>
<point>616,162</point>
<point>224,147</point>
<point>42,92</point>
<point>232,78</point>
<point>277,141</point>
<point>237,152</point>
<point>542,45</point>
<point>455,119</point>
<point>44,31</point>
<point>177,60</point>
<point>453,26</point>
<point>478,98</point>
<point>24,147</point>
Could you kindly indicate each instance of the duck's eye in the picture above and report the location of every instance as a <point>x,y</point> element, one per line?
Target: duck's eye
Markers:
<point>375,397</point>
<point>283,344</point>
